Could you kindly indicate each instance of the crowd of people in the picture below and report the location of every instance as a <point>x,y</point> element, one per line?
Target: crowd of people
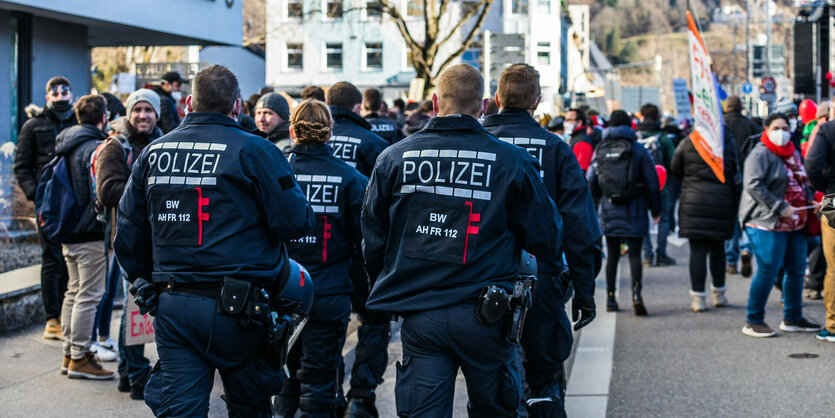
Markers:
<point>394,211</point>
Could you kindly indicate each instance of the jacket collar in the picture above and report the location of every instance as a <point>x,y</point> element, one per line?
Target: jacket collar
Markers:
<point>312,148</point>
<point>159,90</point>
<point>372,115</point>
<point>454,123</point>
<point>71,137</point>
<point>624,132</point>
<point>281,131</point>
<point>343,115</point>
<point>510,115</point>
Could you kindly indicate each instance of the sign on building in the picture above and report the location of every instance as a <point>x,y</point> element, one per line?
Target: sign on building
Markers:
<point>682,97</point>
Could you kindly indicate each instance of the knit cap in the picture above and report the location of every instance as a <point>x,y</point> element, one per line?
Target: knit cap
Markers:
<point>143,95</point>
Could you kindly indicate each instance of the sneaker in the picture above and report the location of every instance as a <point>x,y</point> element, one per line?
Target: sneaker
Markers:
<point>102,353</point>
<point>53,330</point>
<point>88,367</point>
<point>664,260</point>
<point>827,336</point>
<point>812,294</point>
<point>698,304</point>
<point>757,330</point>
<point>801,325</point>
<point>746,263</point>
<point>731,269</point>
<point>719,299</point>
<point>648,262</point>
<point>109,344</point>
<point>64,365</point>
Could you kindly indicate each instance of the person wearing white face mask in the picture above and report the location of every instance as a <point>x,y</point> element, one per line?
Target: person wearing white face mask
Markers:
<point>170,93</point>
<point>774,210</point>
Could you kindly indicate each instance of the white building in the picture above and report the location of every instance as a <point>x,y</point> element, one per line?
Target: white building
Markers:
<point>325,41</point>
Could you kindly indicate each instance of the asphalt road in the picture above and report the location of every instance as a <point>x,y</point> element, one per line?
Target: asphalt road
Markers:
<point>672,363</point>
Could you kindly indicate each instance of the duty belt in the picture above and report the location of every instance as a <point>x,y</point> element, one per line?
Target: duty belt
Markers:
<point>208,290</point>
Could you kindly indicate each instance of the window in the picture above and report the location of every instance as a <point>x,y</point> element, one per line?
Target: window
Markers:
<point>295,57</point>
<point>414,8</point>
<point>544,6</point>
<point>373,8</point>
<point>519,7</point>
<point>333,56</point>
<point>373,55</point>
<point>543,53</point>
<point>334,10</point>
<point>295,9</point>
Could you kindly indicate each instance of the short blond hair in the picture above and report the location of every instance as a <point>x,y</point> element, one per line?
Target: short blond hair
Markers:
<point>311,122</point>
<point>460,89</point>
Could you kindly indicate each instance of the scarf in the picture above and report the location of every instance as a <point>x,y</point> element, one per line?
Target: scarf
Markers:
<point>783,152</point>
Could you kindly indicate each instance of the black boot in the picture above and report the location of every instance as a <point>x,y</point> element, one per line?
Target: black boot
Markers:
<point>638,301</point>
<point>124,384</point>
<point>611,302</point>
<point>137,388</point>
<point>361,408</point>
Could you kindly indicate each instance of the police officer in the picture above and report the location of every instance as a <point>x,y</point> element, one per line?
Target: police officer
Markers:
<point>446,215</point>
<point>335,190</point>
<point>353,141</point>
<point>547,338</point>
<point>272,116</point>
<point>372,102</point>
<point>201,229</point>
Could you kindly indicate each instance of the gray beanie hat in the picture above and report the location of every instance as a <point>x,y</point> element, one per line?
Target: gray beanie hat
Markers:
<point>142,95</point>
<point>276,103</point>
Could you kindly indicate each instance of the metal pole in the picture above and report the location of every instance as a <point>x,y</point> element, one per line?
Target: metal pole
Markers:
<point>488,64</point>
<point>768,37</point>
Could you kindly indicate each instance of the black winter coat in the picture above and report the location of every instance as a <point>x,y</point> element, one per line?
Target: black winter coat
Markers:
<point>169,117</point>
<point>77,145</point>
<point>820,159</point>
<point>35,147</point>
<point>707,209</point>
<point>629,220</point>
<point>741,127</point>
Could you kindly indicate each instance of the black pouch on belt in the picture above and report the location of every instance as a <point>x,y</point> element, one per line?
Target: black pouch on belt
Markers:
<point>492,305</point>
<point>233,296</point>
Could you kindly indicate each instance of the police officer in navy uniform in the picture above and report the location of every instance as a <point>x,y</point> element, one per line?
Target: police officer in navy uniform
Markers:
<point>547,338</point>
<point>335,190</point>
<point>446,214</point>
<point>202,227</point>
<point>353,141</point>
<point>372,102</point>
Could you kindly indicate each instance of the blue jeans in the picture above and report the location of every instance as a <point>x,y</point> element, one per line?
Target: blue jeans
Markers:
<point>773,250</point>
<point>104,312</point>
<point>132,360</point>
<point>734,245</point>
<point>664,225</point>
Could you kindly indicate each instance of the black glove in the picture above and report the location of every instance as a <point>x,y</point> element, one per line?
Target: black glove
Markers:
<point>145,296</point>
<point>582,312</point>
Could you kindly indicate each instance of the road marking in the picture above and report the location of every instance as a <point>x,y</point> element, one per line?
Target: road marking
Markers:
<point>587,394</point>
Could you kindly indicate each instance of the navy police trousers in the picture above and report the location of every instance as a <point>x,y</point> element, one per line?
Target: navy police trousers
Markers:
<point>436,343</point>
<point>193,340</point>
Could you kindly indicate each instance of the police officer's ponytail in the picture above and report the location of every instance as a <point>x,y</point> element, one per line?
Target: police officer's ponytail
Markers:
<point>311,122</point>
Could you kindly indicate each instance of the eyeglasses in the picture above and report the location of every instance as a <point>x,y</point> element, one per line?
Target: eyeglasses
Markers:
<point>60,89</point>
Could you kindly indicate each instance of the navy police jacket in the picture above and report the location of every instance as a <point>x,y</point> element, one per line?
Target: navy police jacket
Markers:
<point>209,200</point>
<point>446,212</point>
<point>385,128</point>
<point>353,142</point>
<point>335,191</point>
<point>567,186</point>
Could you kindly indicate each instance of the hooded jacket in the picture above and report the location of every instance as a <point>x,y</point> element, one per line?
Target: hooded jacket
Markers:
<point>169,117</point>
<point>630,219</point>
<point>566,186</point>
<point>741,127</point>
<point>446,213</point>
<point>35,147</point>
<point>582,145</point>
<point>77,144</point>
<point>353,142</point>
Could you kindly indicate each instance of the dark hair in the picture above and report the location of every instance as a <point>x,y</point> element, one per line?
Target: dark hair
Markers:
<point>345,95</point>
<point>492,108</point>
<point>400,104</point>
<point>774,116</point>
<point>412,106</point>
<point>650,111</point>
<point>518,87</point>
<point>620,118</point>
<point>215,89</point>
<point>581,115</point>
<point>313,92</point>
<point>90,108</point>
<point>426,107</point>
<point>372,100</point>
<point>114,106</point>
<point>57,81</point>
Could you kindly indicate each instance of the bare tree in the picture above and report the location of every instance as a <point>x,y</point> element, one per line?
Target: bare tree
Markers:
<point>424,54</point>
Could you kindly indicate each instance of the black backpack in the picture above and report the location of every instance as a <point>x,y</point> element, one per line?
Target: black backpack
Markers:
<point>653,145</point>
<point>614,169</point>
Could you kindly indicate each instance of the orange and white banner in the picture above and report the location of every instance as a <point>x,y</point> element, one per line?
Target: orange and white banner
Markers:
<point>708,132</point>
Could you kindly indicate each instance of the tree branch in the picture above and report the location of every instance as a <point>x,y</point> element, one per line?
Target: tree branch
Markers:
<point>466,17</point>
<point>468,40</point>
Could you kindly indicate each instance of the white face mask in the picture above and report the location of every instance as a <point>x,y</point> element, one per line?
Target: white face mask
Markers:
<point>569,128</point>
<point>779,137</point>
<point>176,95</point>
<point>793,125</point>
